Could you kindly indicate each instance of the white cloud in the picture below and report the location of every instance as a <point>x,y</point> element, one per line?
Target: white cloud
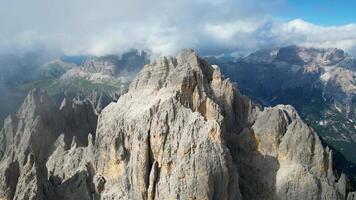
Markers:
<point>249,35</point>
<point>303,33</point>
<point>228,31</point>
<point>161,27</point>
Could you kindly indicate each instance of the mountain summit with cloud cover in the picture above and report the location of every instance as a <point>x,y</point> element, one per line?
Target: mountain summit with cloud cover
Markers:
<point>107,100</point>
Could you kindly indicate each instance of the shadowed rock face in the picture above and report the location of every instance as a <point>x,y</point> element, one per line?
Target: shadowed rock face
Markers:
<point>182,131</point>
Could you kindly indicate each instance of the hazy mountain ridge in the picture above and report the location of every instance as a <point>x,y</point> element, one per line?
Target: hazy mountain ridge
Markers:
<point>70,76</point>
<point>109,68</point>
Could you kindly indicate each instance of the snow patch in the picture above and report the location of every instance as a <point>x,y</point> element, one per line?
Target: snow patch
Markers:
<point>323,123</point>
<point>325,77</point>
<point>337,108</point>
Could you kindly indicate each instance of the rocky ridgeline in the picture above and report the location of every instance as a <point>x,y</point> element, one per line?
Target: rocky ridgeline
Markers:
<point>182,131</point>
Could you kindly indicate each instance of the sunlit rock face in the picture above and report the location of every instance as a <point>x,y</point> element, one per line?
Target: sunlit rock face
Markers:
<point>182,131</point>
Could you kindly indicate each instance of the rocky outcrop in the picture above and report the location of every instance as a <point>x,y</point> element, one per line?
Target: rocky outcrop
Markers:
<point>285,159</point>
<point>182,131</point>
<point>351,196</point>
<point>29,142</point>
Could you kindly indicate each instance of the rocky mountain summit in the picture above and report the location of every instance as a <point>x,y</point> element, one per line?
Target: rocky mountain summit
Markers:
<point>182,131</point>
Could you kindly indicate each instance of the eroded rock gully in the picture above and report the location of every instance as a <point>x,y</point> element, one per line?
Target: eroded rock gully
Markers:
<point>182,131</point>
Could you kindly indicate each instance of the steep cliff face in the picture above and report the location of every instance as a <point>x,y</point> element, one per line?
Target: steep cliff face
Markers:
<point>284,159</point>
<point>164,139</point>
<point>29,140</point>
<point>182,131</point>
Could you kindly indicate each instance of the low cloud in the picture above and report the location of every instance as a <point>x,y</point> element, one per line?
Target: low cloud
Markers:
<point>161,27</point>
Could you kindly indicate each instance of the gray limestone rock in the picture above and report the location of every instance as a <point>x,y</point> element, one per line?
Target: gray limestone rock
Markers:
<point>168,120</point>
<point>29,142</point>
<point>351,196</point>
<point>183,131</point>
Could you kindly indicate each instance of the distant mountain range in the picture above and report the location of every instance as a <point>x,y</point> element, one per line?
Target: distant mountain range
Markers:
<point>102,79</point>
<point>319,83</point>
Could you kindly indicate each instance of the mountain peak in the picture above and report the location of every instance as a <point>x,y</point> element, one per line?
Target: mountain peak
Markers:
<point>172,71</point>
<point>37,102</point>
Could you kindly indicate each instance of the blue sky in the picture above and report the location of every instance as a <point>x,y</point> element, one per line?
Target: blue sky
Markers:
<point>322,12</point>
